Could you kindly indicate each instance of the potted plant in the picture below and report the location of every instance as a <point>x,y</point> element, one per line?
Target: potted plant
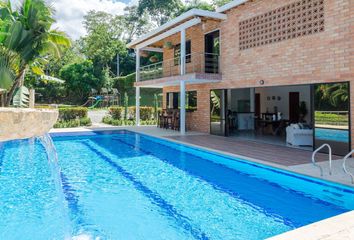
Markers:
<point>168,45</point>
<point>153,59</point>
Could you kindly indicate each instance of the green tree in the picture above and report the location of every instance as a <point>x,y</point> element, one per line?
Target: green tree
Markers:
<point>104,38</point>
<point>160,11</point>
<point>79,80</point>
<point>27,38</point>
<point>136,24</point>
<point>199,4</point>
<point>220,3</point>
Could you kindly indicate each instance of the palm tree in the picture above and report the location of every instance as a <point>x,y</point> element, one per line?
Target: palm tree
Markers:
<point>27,33</point>
<point>335,94</point>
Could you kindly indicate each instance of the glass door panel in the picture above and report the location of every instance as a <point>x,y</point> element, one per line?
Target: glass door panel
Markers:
<point>218,100</point>
<point>332,116</point>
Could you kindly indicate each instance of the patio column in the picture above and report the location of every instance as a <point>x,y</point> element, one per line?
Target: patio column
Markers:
<point>182,114</point>
<point>137,64</point>
<point>183,107</point>
<point>137,106</point>
<point>137,89</point>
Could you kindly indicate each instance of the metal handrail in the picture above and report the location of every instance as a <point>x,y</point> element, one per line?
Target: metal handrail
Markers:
<point>197,62</point>
<point>329,158</point>
<point>345,166</point>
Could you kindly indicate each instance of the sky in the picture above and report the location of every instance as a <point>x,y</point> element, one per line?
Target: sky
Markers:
<point>70,13</point>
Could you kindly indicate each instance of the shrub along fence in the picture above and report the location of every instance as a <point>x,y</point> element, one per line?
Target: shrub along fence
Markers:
<point>72,117</point>
<point>125,116</point>
<point>126,85</point>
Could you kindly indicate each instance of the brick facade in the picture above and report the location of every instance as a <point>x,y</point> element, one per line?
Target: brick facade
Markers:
<point>322,57</point>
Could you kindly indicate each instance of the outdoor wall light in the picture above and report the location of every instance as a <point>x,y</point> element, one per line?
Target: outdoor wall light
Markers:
<point>261,82</point>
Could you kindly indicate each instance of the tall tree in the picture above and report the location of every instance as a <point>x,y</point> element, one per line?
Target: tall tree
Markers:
<point>136,23</point>
<point>104,37</point>
<point>160,11</point>
<point>28,35</point>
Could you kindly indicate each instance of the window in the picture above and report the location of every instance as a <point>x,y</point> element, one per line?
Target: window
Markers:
<point>177,53</point>
<point>172,100</point>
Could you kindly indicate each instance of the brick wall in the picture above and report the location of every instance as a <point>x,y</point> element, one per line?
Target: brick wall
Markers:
<point>196,35</point>
<point>198,120</point>
<point>323,57</point>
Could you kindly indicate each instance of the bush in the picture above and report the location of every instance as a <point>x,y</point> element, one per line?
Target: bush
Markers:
<point>72,113</point>
<point>116,112</point>
<point>85,121</point>
<point>146,113</point>
<point>122,122</point>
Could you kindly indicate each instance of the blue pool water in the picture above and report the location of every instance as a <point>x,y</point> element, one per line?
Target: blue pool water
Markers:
<point>337,135</point>
<point>122,185</point>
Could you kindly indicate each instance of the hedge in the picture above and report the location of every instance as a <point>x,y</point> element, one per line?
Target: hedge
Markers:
<point>72,113</point>
<point>122,122</point>
<point>117,113</point>
<point>331,118</point>
<point>85,121</point>
<point>72,117</point>
<point>126,84</point>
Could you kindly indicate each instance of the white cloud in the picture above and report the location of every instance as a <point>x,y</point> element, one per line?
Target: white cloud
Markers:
<point>70,13</point>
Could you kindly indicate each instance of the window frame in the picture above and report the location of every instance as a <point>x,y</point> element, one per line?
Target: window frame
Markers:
<point>177,53</point>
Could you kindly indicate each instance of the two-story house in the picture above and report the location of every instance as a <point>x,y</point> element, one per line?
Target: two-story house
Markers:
<point>254,68</point>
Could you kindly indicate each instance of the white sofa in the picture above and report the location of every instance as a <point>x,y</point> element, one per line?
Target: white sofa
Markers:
<point>299,137</point>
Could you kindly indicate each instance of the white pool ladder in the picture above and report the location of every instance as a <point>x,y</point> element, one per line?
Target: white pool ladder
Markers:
<point>345,166</point>
<point>329,157</point>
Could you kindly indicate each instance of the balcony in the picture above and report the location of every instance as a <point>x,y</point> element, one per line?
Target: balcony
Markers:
<point>196,63</point>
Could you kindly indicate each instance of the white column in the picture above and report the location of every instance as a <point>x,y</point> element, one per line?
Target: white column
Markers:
<point>137,89</point>
<point>183,52</point>
<point>183,107</point>
<point>137,64</point>
<point>137,106</point>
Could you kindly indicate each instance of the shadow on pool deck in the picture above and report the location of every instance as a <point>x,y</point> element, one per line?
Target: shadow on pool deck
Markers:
<point>282,155</point>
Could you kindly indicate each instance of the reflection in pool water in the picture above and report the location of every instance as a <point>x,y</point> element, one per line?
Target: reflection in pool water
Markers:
<point>338,135</point>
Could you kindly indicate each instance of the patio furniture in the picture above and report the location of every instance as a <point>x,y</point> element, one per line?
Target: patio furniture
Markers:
<point>175,121</point>
<point>299,137</point>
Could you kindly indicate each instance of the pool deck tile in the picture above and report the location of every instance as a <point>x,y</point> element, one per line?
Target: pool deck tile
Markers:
<point>340,227</point>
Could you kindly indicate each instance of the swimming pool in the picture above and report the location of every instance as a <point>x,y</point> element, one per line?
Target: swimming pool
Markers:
<point>123,185</point>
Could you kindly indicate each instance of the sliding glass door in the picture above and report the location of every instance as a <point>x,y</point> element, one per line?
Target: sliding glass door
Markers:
<point>332,116</point>
<point>218,107</point>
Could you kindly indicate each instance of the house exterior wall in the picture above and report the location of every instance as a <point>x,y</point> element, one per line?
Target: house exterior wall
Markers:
<point>322,57</point>
<point>196,35</point>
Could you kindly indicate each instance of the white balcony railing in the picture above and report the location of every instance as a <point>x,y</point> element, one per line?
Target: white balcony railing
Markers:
<point>195,63</point>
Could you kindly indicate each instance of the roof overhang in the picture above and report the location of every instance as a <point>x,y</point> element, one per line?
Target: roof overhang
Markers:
<point>230,5</point>
<point>193,13</point>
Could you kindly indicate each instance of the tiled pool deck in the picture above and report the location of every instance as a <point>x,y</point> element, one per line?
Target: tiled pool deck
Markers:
<point>291,159</point>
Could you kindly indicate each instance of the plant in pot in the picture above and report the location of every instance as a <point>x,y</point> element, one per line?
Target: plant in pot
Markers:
<point>302,111</point>
<point>153,59</point>
<point>168,45</point>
